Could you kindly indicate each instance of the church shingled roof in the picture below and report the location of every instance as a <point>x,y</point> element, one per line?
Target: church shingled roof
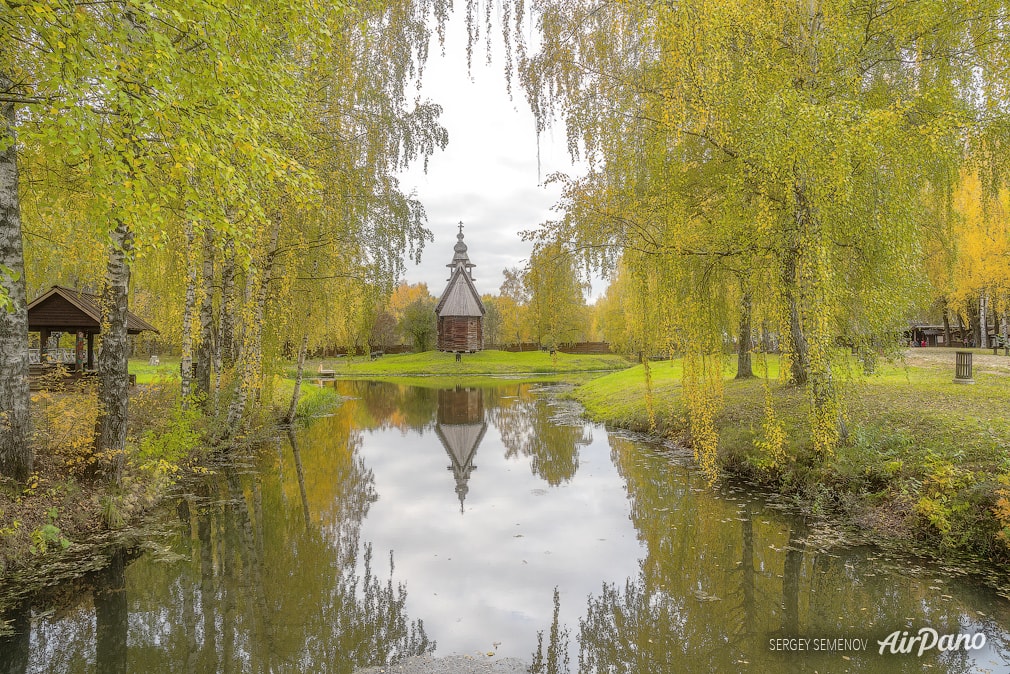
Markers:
<point>460,297</point>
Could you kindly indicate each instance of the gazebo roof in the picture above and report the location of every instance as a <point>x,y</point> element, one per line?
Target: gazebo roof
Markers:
<point>70,310</point>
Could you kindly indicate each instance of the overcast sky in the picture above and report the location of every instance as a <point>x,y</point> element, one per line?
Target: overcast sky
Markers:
<point>487,177</point>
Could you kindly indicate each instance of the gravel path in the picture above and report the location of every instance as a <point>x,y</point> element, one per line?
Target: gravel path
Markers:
<point>453,664</point>
<point>944,358</point>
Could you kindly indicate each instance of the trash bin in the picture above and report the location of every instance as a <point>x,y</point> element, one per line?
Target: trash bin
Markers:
<point>962,368</point>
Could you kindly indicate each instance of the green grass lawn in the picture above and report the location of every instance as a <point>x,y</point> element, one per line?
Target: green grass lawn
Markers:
<point>168,368</point>
<point>481,363</point>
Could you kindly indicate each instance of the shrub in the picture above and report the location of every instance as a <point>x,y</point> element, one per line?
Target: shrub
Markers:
<point>64,422</point>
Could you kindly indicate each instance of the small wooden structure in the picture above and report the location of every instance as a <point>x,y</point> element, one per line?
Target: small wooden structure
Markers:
<point>67,310</point>
<point>460,312</point>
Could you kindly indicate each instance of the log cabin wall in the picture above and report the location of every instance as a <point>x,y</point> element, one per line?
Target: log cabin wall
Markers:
<point>460,333</point>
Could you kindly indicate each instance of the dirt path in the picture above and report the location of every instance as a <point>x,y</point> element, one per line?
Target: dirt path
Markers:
<point>939,357</point>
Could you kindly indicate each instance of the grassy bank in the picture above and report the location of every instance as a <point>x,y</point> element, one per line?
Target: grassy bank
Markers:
<point>437,363</point>
<point>69,501</point>
<point>926,461</point>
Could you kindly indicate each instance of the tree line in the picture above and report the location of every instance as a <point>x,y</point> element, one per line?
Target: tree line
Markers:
<point>226,169</point>
<point>823,170</point>
<point>820,170</point>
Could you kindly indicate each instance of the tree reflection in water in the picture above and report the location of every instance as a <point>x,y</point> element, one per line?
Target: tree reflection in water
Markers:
<point>690,611</point>
<point>556,658</point>
<point>529,428</point>
<point>385,405</point>
<point>268,568</point>
<point>15,641</point>
<point>111,615</point>
<point>248,592</point>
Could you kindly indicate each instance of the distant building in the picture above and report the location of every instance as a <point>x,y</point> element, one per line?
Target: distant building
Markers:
<point>460,312</point>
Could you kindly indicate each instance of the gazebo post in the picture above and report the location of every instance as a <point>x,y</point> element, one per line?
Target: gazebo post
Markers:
<point>43,341</point>
<point>91,351</point>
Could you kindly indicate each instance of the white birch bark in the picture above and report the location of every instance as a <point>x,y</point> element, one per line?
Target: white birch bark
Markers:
<point>227,329</point>
<point>15,423</point>
<point>205,346</point>
<point>251,357</point>
<point>983,320</point>
<point>113,373</point>
<point>186,362</point>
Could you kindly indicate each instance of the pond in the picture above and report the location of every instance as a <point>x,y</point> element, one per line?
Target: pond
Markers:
<point>495,522</point>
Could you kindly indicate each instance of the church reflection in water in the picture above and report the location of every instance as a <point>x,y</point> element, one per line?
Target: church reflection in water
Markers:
<point>460,425</point>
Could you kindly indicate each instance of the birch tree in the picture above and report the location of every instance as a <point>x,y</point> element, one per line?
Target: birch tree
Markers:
<point>15,425</point>
<point>824,122</point>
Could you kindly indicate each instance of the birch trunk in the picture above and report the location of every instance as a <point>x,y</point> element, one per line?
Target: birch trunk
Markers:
<point>289,418</point>
<point>799,361</point>
<point>946,324</point>
<point>227,329</point>
<point>113,375</point>
<point>743,359</point>
<point>15,423</point>
<point>186,363</point>
<point>262,295</point>
<point>983,320</point>
<point>225,343</point>
<point>813,285</point>
<point>236,410</point>
<point>205,346</point>
<point>257,291</point>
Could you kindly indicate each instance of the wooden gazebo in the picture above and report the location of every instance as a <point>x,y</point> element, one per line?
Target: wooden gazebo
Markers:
<point>460,312</point>
<point>67,310</point>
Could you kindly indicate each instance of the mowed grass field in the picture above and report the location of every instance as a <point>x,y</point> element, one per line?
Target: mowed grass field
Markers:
<point>489,362</point>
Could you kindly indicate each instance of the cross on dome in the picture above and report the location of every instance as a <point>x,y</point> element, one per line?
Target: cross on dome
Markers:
<point>460,258</point>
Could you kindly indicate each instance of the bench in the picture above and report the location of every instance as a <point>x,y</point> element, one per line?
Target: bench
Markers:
<point>375,354</point>
<point>325,373</point>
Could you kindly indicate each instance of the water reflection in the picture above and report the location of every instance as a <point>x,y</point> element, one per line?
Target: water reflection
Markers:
<point>15,644</point>
<point>580,551</point>
<point>386,405</point>
<point>242,590</point>
<point>693,608</point>
<point>111,615</point>
<point>530,428</point>
<point>461,427</point>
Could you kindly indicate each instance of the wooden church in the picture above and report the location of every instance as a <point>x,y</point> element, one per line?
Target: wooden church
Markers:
<point>460,312</point>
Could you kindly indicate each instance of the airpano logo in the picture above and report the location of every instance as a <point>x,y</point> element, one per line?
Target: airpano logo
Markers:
<point>927,639</point>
